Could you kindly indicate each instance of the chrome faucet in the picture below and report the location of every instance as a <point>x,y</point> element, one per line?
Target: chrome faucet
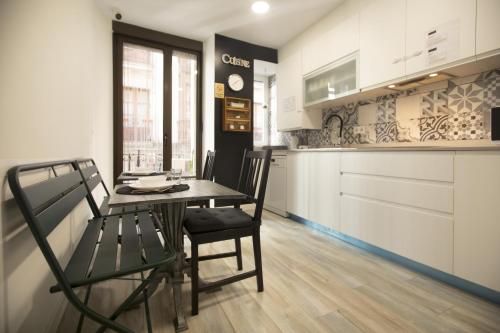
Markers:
<point>328,120</point>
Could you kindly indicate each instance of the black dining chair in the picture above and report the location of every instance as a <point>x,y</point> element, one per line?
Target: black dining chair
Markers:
<point>208,174</point>
<point>208,225</point>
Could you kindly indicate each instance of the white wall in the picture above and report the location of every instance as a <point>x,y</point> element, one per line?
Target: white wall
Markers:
<point>55,102</point>
<point>208,95</point>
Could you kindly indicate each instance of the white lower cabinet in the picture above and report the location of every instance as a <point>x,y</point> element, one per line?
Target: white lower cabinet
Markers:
<point>438,208</point>
<point>401,202</point>
<point>297,172</point>
<point>313,187</point>
<point>420,235</point>
<point>477,217</point>
<point>275,199</point>
<point>324,189</point>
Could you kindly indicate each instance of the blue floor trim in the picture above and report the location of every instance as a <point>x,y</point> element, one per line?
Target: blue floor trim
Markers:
<point>467,286</point>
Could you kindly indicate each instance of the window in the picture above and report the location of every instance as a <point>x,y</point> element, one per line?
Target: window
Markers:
<point>157,107</point>
<point>142,107</point>
<point>260,114</point>
<point>184,80</point>
<point>265,112</point>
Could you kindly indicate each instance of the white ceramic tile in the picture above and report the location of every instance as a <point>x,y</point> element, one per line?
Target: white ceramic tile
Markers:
<point>408,131</point>
<point>408,108</point>
<point>367,114</point>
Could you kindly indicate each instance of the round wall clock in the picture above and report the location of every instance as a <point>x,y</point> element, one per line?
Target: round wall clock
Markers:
<point>235,82</point>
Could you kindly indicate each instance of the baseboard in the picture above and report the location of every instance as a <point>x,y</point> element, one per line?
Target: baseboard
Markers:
<point>465,285</point>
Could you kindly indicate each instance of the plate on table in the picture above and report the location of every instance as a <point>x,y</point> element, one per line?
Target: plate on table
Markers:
<point>155,183</point>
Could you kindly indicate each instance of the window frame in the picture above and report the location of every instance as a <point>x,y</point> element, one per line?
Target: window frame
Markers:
<point>126,33</point>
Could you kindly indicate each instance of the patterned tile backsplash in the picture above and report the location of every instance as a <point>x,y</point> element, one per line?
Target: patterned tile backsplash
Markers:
<point>459,112</point>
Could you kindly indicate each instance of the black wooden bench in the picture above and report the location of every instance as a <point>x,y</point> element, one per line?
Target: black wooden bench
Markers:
<point>110,247</point>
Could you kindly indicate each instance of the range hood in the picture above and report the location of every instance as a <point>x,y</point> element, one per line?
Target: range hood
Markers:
<point>421,81</point>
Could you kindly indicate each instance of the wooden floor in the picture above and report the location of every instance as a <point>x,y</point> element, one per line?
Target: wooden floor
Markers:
<point>313,283</point>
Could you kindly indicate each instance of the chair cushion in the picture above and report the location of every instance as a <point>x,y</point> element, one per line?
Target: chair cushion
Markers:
<point>200,220</point>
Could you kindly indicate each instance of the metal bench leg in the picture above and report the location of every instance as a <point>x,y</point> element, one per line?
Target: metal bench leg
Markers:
<point>82,316</point>
<point>146,307</point>
<point>130,298</point>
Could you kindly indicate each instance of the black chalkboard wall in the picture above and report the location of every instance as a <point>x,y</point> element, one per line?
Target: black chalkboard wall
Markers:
<point>229,146</point>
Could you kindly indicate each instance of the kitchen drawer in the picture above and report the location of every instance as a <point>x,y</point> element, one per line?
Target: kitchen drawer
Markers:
<point>423,236</point>
<point>416,193</point>
<point>423,165</point>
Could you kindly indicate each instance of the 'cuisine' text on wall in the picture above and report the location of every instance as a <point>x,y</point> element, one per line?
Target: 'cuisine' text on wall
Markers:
<point>227,59</point>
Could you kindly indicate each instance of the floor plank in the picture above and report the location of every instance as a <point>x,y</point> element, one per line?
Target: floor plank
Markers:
<point>313,283</point>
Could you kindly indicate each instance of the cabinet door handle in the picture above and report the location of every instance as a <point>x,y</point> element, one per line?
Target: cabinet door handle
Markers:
<point>416,53</point>
<point>413,55</point>
<point>396,60</point>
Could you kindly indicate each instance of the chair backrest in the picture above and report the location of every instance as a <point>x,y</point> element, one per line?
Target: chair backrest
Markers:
<point>45,205</point>
<point>92,178</point>
<point>209,168</point>
<point>253,177</point>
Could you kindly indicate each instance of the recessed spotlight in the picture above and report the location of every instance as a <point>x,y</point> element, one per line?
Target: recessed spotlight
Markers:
<point>433,74</point>
<point>260,7</point>
<point>391,86</point>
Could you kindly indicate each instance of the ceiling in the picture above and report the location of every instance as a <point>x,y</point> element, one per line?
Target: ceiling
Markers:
<point>199,19</point>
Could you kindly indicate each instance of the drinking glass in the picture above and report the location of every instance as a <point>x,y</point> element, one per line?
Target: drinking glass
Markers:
<point>176,175</point>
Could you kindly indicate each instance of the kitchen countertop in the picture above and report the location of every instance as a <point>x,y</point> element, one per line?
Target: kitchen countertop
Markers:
<point>406,148</point>
<point>442,145</point>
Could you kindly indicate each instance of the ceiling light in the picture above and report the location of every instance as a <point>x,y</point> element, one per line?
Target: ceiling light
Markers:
<point>392,86</point>
<point>260,7</point>
<point>433,74</point>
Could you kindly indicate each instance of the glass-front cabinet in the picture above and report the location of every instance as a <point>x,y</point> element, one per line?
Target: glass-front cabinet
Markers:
<point>338,79</point>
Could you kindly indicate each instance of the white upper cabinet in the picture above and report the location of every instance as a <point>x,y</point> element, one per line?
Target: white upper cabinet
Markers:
<point>438,32</point>
<point>291,114</point>
<point>340,78</point>
<point>382,41</point>
<point>488,26</point>
<point>337,42</point>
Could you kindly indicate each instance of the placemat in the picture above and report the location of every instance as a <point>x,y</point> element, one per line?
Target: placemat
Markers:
<point>133,191</point>
<point>131,174</point>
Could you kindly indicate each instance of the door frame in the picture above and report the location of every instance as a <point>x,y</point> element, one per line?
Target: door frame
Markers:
<point>126,33</point>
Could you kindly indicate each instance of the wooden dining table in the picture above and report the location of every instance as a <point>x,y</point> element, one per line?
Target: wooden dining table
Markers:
<point>170,209</point>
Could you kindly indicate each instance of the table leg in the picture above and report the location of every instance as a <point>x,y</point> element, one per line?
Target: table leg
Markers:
<point>172,215</point>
